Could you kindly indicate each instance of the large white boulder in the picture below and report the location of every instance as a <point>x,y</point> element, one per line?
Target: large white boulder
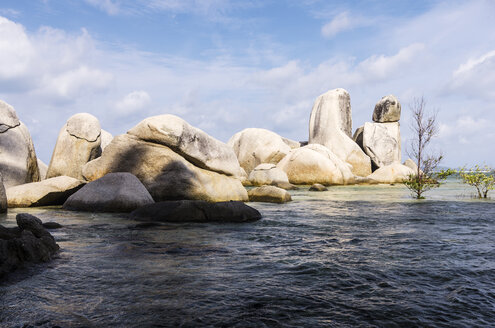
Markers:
<point>255,146</point>
<point>269,194</point>
<point>315,164</point>
<point>387,110</point>
<point>18,163</point>
<point>53,191</point>
<point>190,142</point>
<point>164,173</point>
<point>331,124</point>
<point>381,142</point>
<point>43,168</point>
<point>267,174</point>
<point>393,173</point>
<point>78,143</point>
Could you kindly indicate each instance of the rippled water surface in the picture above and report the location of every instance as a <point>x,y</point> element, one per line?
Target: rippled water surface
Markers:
<point>366,256</point>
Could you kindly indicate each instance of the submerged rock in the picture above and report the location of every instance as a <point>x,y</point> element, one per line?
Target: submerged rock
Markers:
<point>387,110</point>
<point>18,163</point>
<point>256,146</point>
<point>393,173</point>
<point>53,191</point>
<point>78,143</point>
<point>331,124</point>
<point>29,242</point>
<point>164,173</point>
<point>115,192</point>
<point>196,211</point>
<point>318,187</point>
<point>269,194</point>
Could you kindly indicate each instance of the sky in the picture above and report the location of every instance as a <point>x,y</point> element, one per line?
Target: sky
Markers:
<point>226,65</point>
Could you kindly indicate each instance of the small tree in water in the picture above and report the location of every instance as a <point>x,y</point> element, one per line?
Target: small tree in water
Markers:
<point>424,128</point>
<point>482,178</point>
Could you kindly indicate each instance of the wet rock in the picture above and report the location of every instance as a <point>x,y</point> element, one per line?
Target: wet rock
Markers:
<point>267,174</point>
<point>315,164</point>
<point>189,142</point>
<point>115,192</point>
<point>318,187</point>
<point>196,211</point>
<point>256,146</point>
<point>18,163</point>
<point>331,125</point>
<point>269,194</point>
<point>393,173</point>
<point>387,110</point>
<point>29,242</point>
<point>78,143</point>
<point>164,173</point>
<point>53,191</point>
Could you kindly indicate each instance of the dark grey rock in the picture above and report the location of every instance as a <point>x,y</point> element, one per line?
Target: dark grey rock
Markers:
<point>3,197</point>
<point>115,192</point>
<point>196,211</point>
<point>28,242</point>
<point>387,110</point>
<point>52,225</point>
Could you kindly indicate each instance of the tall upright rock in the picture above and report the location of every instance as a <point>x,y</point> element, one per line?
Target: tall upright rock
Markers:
<point>331,125</point>
<point>78,143</point>
<point>18,163</point>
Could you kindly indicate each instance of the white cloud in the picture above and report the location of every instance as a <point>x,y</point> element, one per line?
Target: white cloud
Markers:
<point>16,50</point>
<point>338,24</point>
<point>133,102</point>
<point>108,6</point>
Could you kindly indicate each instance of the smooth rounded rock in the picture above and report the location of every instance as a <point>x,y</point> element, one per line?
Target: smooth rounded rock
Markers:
<point>267,174</point>
<point>255,146</point>
<point>115,192</point>
<point>318,187</point>
<point>411,164</point>
<point>387,110</point>
<point>78,143</point>
<point>196,211</point>
<point>269,194</point>
<point>331,125</point>
<point>393,173</point>
<point>106,138</point>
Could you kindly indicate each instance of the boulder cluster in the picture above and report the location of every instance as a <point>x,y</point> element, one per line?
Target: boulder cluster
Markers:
<point>164,158</point>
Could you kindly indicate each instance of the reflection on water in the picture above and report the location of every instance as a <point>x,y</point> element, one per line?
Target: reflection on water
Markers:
<point>354,256</point>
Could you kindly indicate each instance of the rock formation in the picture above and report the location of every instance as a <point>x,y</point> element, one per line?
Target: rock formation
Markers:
<point>381,142</point>
<point>387,110</point>
<point>269,194</point>
<point>393,173</point>
<point>78,143</point>
<point>256,146</point>
<point>267,174</point>
<point>18,163</point>
<point>315,164</point>
<point>318,187</point>
<point>106,138</point>
<point>53,191</point>
<point>196,211</point>
<point>43,168</point>
<point>3,197</point>
<point>115,192</point>
<point>331,124</point>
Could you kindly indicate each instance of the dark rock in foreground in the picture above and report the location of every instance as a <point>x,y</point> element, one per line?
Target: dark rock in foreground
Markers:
<point>29,242</point>
<point>196,211</point>
<point>115,192</point>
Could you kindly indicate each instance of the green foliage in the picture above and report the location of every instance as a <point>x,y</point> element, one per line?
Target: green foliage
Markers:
<point>482,178</point>
<point>420,183</point>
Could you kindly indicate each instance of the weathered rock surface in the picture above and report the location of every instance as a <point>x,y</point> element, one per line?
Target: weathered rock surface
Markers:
<point>269,194</point>
<point>411,164</point>
<point>381,142</point>
<point>43,168</point>
<point>315,164</point>
<point>3,196</point>
<point>387,110</point>
<point>53,191</point>
<point>291,143</point>
<point>331,125</point>
<point>115,192</point>
<point>191,143</point>
<point>267,174</point>
<point>196,211</point>
<point>164,173</point>
<point>393,173</point>
<point>256,146</point>
<point>29,242</point>
<point>78,142</point>
<point>106,138</point>
<point>18,162</point>
<point>318,187</point>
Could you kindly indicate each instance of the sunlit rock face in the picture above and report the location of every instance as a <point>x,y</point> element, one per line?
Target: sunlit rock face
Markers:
<point>165,174</point>
<point>269,194</point>
<point>331,126</point>
<point>189,142</point>
<point>387,110</point>
<point>381,142</point>
<point>256,146</point>
<point>315,164</point>
<point>18,163</point>
<point>267,174</point>
<point>78,143</point>
<point>393,173</point>
<point>106,138</point>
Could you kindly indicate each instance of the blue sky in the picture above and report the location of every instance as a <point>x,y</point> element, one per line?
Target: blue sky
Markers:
<point>226,65</point>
